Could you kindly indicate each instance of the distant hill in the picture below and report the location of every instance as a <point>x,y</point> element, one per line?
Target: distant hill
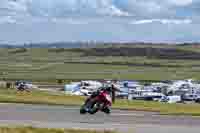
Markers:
<point>50,45</point>
<point>86,44</point>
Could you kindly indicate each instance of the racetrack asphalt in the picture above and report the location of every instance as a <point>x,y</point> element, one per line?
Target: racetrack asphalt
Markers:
<point>120,120</point>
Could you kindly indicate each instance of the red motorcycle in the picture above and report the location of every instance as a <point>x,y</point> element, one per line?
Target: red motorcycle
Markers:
<point>101,102</point>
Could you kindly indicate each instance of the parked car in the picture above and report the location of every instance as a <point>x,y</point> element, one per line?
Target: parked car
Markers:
<point>170,99</point>
<point>189,97</point>
<point>24,85</point>
<point>197,100</point>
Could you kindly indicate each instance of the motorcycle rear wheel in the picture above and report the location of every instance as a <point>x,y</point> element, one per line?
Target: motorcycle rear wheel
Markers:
<point>94,109</point>
<point>106,110</point>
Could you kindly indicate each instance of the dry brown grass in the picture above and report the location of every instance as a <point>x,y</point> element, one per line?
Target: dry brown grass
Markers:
<point>46,130</point>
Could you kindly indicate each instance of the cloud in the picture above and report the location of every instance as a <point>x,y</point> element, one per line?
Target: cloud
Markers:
<point>99,19</point>
<point>162,21</point>
<point>97,8</point>
<point>63,8</point>
<point>181,2</point>
<point>12,6</point>
<point>140,7</point>
<point>185,21</point>
<point>70,21</point>
<point>7,19</point>
<point>113,11</point>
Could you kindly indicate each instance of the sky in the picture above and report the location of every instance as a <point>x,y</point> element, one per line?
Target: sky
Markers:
<point>33,21</point>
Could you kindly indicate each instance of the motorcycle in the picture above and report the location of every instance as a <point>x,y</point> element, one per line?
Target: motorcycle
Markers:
<point>102,102</point>
<point>22,87</point>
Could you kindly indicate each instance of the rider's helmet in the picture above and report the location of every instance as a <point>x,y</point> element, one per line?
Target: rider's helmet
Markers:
<point>109,89</point>
<point>105,88</point>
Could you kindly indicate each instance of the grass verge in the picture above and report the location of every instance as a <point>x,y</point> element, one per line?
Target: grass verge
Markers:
<point>38,97</point>
<point>38,64</point>
<point>46,130</point>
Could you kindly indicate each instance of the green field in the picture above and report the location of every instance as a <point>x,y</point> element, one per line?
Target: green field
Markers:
<point>46,98</point>
<point>50,64</point>
<point>46,130</point>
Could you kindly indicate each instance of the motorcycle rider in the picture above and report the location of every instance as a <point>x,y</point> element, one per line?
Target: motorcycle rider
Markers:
<point>111,89</point>
<point>21,86</point>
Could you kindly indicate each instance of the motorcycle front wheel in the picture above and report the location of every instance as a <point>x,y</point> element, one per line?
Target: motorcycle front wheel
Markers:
<point>82,110</point>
